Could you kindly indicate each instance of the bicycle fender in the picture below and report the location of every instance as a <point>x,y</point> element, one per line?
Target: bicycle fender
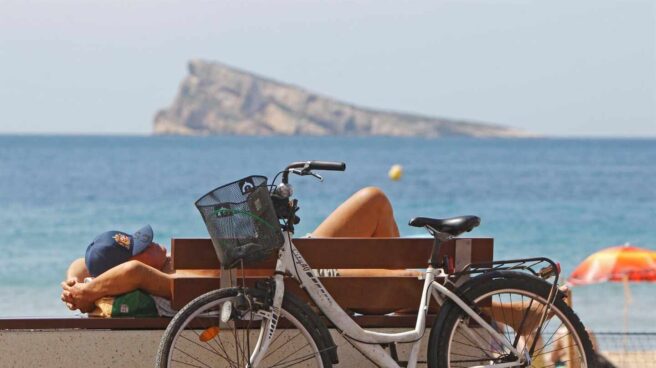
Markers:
<point>463,289</point>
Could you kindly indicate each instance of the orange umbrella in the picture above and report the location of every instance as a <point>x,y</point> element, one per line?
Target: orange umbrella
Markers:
<point>620,263</point>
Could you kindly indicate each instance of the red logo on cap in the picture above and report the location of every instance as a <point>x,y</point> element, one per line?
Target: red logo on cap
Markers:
<point>122,240</point>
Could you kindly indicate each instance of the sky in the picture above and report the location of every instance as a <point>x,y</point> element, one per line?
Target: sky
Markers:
<point>561,68</point>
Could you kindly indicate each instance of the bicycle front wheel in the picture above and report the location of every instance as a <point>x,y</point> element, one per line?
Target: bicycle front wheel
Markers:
<point>196,337</point>
<point>514,307</point>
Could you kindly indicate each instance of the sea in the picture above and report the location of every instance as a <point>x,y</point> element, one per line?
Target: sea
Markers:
<point>560,198</point>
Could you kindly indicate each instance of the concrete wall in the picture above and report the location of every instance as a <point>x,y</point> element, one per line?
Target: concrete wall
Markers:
<point>99,349</point>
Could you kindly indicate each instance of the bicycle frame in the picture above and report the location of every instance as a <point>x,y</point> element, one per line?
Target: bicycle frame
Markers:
<point>291,262</point>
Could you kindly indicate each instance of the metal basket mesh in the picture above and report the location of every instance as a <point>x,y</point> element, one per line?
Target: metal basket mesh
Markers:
<point>241,221</point>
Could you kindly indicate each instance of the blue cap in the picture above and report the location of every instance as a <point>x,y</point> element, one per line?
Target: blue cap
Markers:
<point>112,248</point>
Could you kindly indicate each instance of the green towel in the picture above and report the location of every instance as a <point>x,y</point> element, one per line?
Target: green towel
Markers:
<point>133,304</point>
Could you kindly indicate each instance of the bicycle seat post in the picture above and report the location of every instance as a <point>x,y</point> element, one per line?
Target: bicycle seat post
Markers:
<point>438,237</point>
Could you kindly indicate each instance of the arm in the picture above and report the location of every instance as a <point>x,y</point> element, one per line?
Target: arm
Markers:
<point>127,277</point>
<point>77,271</point>
<point>121,279</point>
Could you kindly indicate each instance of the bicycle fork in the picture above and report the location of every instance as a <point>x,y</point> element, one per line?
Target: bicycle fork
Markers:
<point>271,317</point>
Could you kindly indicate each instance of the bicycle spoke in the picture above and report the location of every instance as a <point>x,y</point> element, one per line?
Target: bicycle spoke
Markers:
<point>219,344</point>
<point>303,358</point>
<point>185,363</point>
<point>541,329</point>
<point>208,343</point>
<point>475,343</point>
<point>230,346</point>
<point>474,346</point>
<point>503,312</point>
<point>517,315</point>
<point>276,338</point>
<point>521,325</point>
<point>547,343</point>
<point>560,349</point>
<point>290,355</point>
<point>194,358</point>
<point>512,316</point>
<point>281,345</point>
<point>297,360</point>
<point>560,362</point>
<point>202,347</point>
<point>477,360</point>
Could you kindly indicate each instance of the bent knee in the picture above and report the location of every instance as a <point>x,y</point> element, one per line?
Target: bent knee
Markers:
<point>376,196</point>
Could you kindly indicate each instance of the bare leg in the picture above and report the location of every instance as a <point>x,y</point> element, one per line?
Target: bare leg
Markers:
<point>121,279</point>
<point>366,214</point>
<point>517,315</point>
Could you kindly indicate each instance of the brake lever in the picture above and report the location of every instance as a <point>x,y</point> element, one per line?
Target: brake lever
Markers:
<point>305,172</point>
<point>316,176</point>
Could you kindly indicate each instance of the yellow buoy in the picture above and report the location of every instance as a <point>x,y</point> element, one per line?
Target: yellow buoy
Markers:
<point>395,172</point>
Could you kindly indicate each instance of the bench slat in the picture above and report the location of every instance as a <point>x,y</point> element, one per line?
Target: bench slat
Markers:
<point>385,294</point>
<point>161,323</point>
<point>391,253</point>
<point>158,323</point>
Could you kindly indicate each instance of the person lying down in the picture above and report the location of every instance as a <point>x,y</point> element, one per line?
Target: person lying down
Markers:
<point>128,274</point>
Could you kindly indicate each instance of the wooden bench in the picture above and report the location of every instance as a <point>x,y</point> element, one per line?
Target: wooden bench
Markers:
<point>99,342</point>
<point>387,293</point>
<point>197,267</point>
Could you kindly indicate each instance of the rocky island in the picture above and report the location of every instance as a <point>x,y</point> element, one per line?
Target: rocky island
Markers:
<point>218,99</point>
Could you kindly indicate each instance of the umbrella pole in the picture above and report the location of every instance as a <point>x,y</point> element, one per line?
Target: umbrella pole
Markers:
<point>627,301</point>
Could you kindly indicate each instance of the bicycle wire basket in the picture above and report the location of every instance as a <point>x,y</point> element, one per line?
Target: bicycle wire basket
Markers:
<point>241,221</point>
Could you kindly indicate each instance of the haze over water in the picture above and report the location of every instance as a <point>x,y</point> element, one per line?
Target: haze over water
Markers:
<point>561,198</point>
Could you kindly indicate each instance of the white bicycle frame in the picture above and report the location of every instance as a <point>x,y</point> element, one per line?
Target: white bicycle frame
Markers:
<point>290,261</point>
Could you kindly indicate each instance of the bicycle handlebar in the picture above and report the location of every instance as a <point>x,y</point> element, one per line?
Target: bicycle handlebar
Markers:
<point>285,208</point>
<point>306,167</point>
<point>317,165</point>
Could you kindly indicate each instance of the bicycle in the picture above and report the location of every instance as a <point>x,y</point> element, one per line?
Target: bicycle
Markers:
<point>261,326</point>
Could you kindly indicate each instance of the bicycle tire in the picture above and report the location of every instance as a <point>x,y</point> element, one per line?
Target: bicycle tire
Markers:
<point>452,341</point>
<point>316,352</point>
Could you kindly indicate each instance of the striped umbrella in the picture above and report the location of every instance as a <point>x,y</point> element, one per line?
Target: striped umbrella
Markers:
<point>623,263</point>
<point>620,263</point>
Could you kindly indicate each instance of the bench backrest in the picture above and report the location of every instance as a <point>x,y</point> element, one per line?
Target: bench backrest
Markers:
<point>391,293</point>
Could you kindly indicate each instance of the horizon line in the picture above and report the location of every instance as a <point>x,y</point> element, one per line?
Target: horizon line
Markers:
<point>146,135</point>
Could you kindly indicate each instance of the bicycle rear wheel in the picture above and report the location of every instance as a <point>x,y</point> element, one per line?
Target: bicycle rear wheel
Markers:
<point>513,306</point>
<point>196,337</point>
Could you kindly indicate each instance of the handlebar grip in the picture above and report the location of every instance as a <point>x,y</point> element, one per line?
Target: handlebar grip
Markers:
<point>308,166</point>
<point>326,165</point>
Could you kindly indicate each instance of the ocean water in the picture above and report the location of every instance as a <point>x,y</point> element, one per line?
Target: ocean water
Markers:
<point>561,198</point>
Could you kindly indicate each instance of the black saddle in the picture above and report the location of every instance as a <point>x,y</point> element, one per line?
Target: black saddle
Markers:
<point>454,225</point>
